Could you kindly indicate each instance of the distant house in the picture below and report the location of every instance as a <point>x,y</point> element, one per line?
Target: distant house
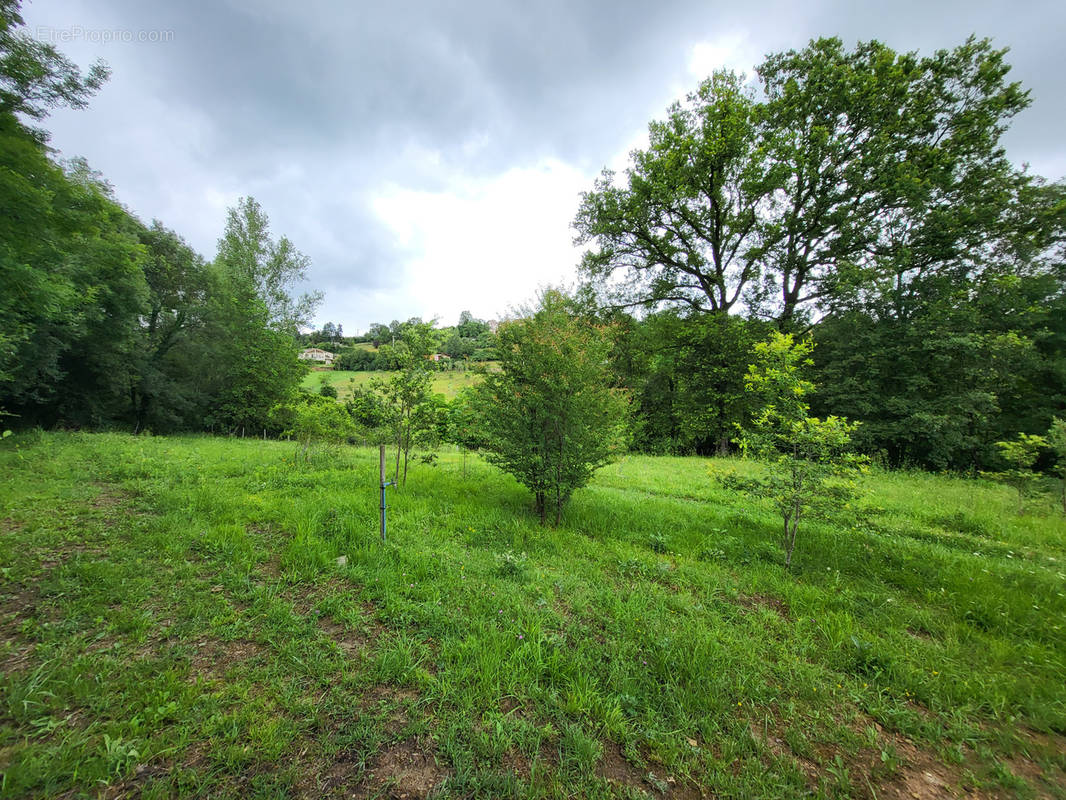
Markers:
<point>315,354</point>
<point>439,357</point>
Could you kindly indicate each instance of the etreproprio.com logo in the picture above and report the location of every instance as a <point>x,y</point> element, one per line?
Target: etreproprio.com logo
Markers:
<point>76,33</point>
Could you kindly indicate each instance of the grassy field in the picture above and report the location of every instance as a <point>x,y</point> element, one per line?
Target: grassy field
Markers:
<point>447,383</point>
<point>174,621</point>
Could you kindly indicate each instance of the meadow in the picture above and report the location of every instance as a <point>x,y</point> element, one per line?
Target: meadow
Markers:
<point>447,382</point>
<point>214,617</point>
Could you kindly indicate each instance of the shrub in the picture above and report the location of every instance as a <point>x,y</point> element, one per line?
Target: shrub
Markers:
<point>549,415</point>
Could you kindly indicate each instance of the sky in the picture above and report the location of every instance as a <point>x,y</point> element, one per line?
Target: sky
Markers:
<point>429,156</point>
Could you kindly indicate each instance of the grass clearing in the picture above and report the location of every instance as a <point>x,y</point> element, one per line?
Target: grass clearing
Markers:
<point>173,621</point>
<point>447,383</point>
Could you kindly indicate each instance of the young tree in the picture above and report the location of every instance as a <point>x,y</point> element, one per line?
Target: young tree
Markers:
<point>406,396</point>
<point>1056,440</point>
<point>464,423</point>
<point>1020,454</point>
<point>550,417</point>
<point>810,469</point>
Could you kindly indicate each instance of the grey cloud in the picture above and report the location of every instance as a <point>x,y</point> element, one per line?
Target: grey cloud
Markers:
<point>312,106</point>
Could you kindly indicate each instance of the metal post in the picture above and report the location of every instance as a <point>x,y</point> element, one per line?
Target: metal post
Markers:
<point>381,452</point>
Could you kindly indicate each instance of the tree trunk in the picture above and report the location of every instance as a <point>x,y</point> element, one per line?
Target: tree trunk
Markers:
<point>406,450</point>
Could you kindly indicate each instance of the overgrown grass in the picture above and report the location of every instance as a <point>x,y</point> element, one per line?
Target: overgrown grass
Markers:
<point>447,383</point>
<point>174,621</point>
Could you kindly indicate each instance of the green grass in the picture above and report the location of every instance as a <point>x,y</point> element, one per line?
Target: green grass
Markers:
<point>447,383</point>
<point>173,621</point>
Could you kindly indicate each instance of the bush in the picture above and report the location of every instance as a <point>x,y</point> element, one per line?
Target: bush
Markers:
<point>549,415</point>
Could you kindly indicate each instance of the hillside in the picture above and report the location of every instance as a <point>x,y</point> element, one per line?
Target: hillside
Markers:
<point>173,620</point>
<point>447,383</point>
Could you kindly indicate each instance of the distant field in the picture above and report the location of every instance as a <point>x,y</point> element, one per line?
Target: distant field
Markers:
<point>174,623</point>
<point>445,383</point>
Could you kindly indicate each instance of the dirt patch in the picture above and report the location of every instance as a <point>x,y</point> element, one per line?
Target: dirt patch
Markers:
<point>616,769</point>
<point>922,777</point>
<point>774,741</point>
<point>16,608</point>
<point>109,497</point>
<point>349,640</point>
<point>214,658</point>
<point>405,770</point>
<point>394,702</point>
<point>756,601</point>
<point>918,774</point>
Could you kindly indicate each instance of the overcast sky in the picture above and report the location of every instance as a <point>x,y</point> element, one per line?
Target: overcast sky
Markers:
<point>428,156</point>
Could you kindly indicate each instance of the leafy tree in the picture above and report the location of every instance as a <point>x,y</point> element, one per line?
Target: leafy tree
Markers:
<point>810,469</point>
<point>687,378</point>
<point>1021,455</point>
<point>355,358</point>
<point>259,267</point>
<point>163,388</point>
<point>35,77</point>
<point>74,290</point>
<point>254,320</point>
<point>406,396</point>
<point>464,423</point>
<point>1056,441</point>
<point>367,408</point>
<point>856,166</point>
<point>685,229</point>
<point>549,415</point>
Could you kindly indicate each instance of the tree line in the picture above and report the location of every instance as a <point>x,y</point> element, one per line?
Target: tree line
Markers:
<point>857,199</point>
<point>108,322</point>
<point>861,196</point>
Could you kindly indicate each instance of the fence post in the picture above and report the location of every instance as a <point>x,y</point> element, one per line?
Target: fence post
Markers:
<point>381,452</point>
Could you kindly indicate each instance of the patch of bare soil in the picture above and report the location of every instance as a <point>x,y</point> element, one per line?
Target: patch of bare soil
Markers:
<point>349,640</point>
<point>616,769</point>
<point>393,701</point>
<point>110,497</point>
<point>920,775</point>
<point>756,601</point>
<point>774,741</point>
<point>213,658</point>
<point>404,770</point>
<point>16,608</point>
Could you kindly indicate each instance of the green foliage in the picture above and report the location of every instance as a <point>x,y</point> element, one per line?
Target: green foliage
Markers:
<point>310,420</point>
<point>811,471</point>
<point>686,375</point>
<point>1021,455</point>
<point>406,398</point>
<point>1056,442</point>
<point>793,201</point>
<point>253,320</point>
<point>549,415</point>
<point>35,77</point>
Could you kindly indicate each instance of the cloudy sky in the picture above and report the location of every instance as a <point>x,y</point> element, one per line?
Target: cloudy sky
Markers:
<point>428,156</point>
